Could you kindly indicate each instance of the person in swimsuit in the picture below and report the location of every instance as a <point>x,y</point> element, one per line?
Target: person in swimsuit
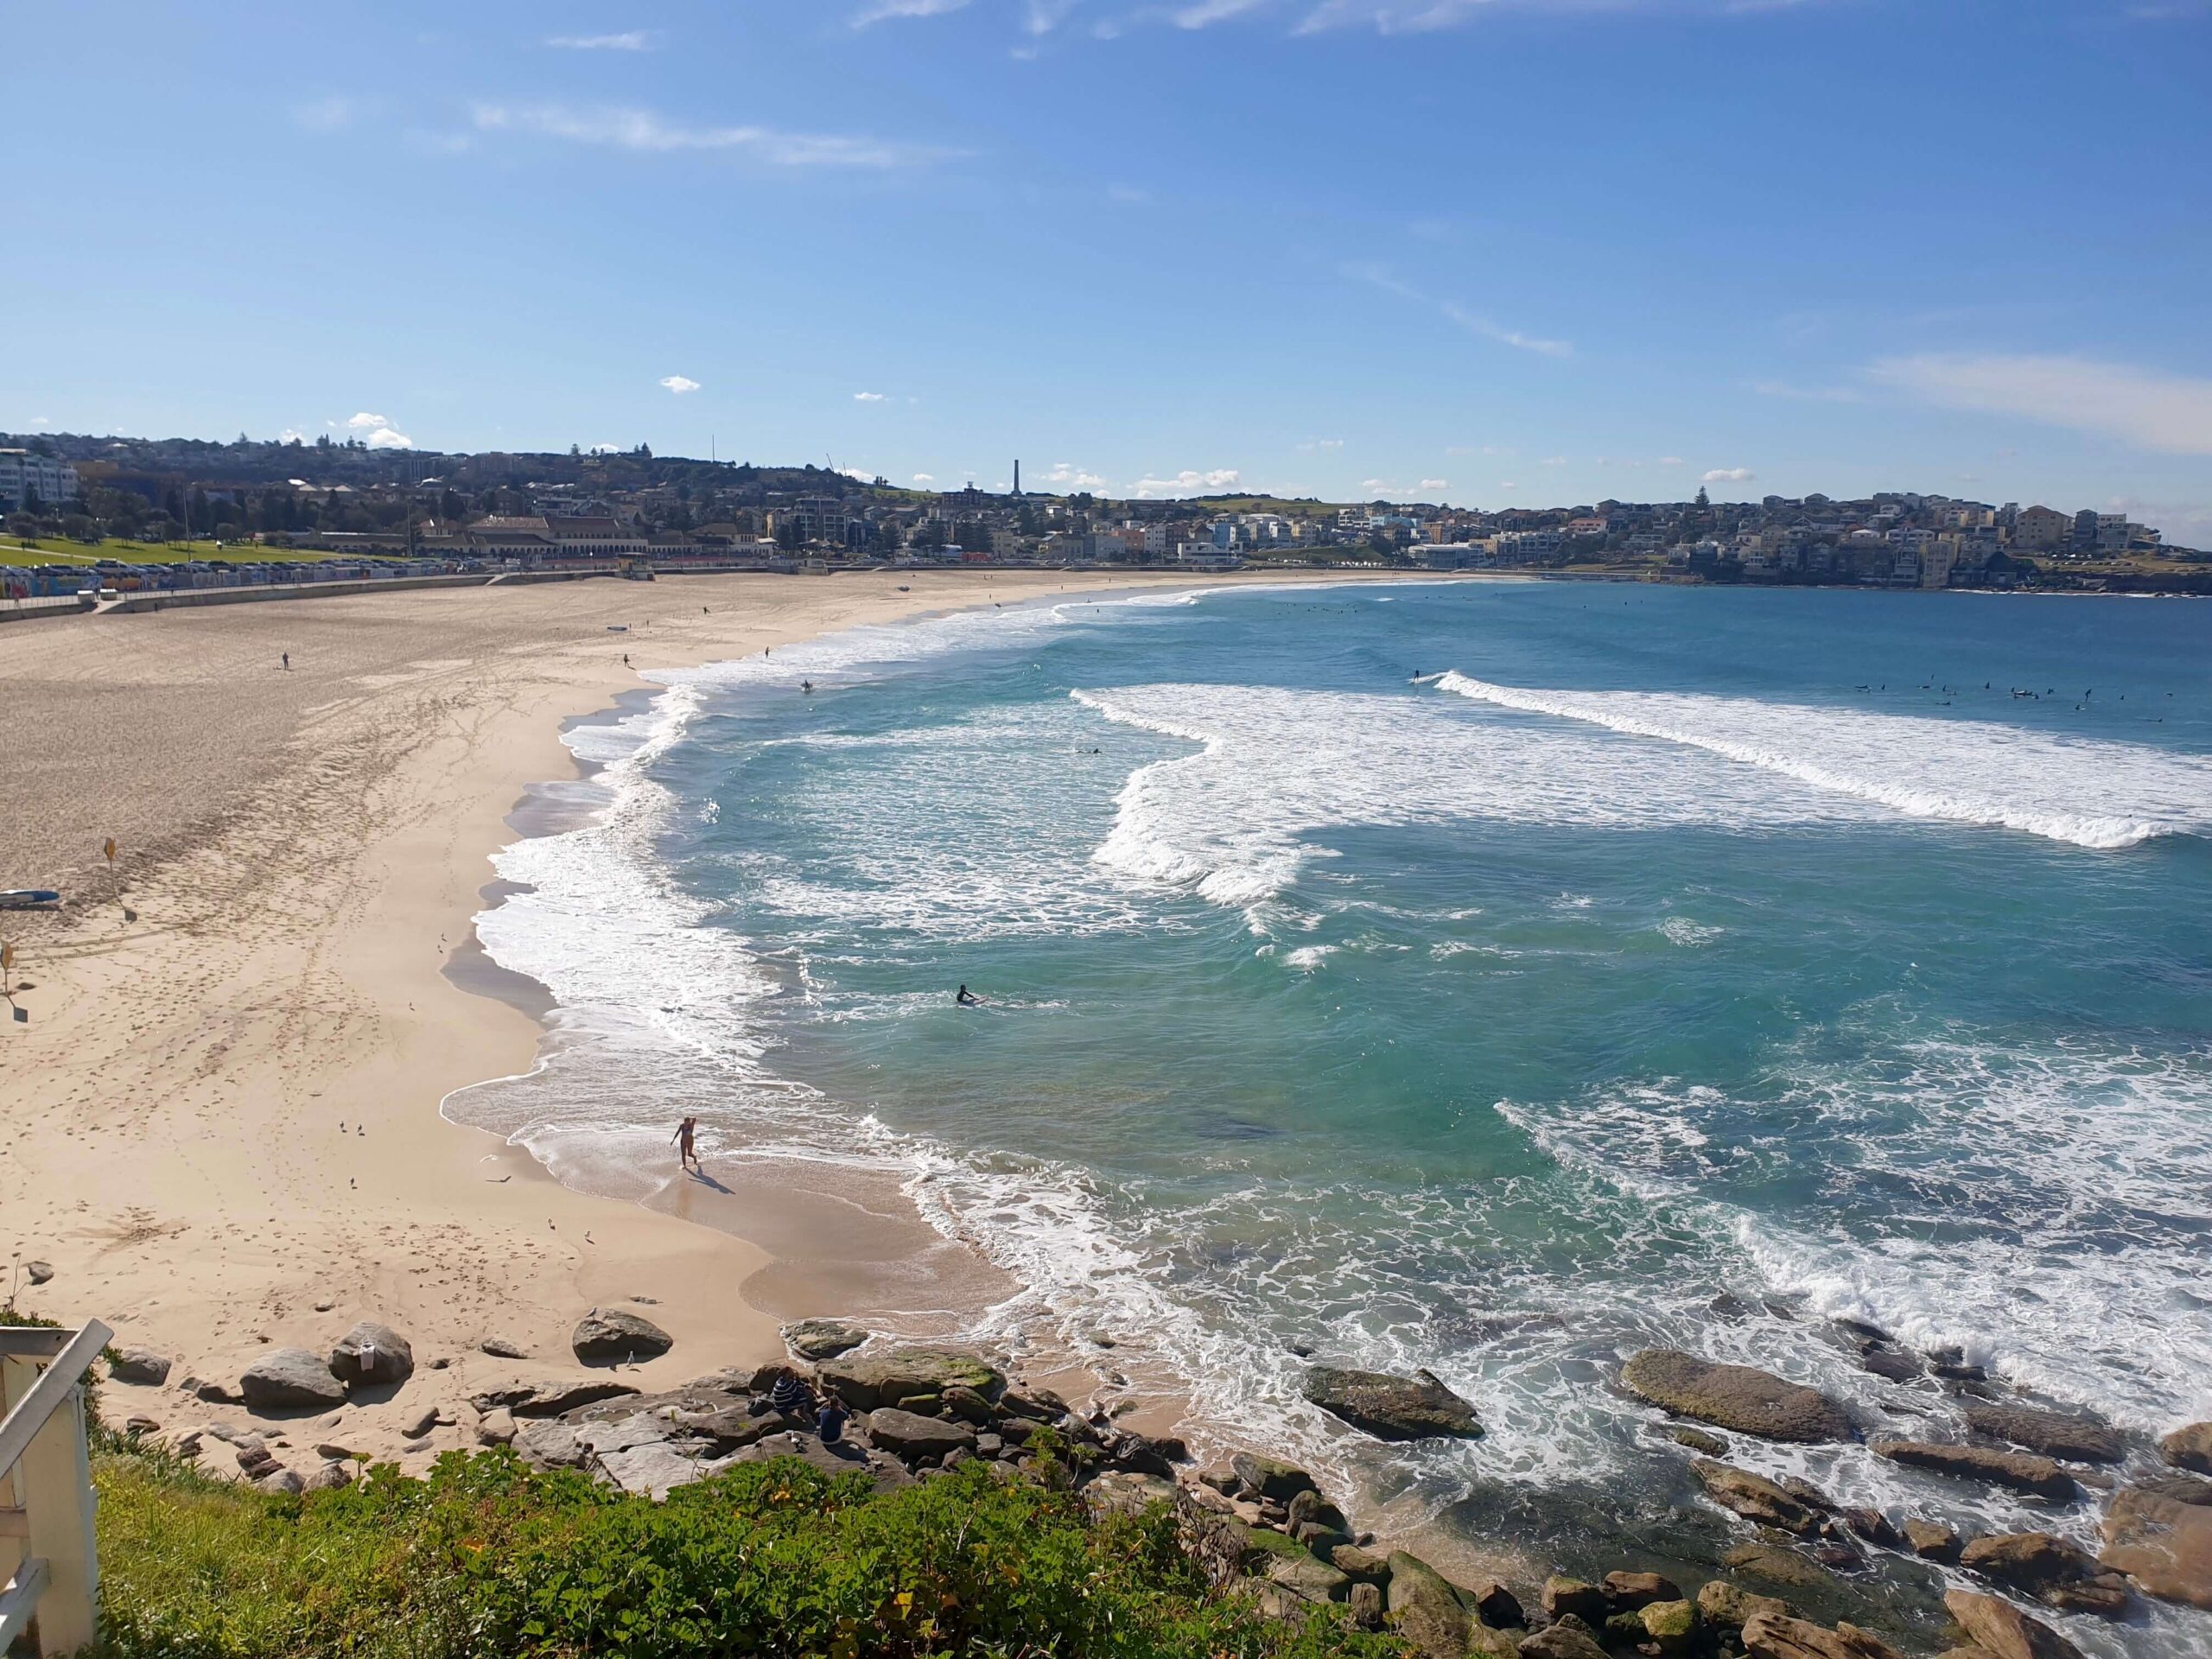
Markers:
<point>687,1155</point>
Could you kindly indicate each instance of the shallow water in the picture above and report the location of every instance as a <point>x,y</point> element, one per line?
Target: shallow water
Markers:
<point>1658,966</point>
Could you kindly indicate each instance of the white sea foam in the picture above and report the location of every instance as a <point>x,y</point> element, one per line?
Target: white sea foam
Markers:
<point>2092,793</point>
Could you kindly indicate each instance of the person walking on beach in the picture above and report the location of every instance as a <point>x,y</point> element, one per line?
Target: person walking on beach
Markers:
<point>687,1156</point>
<point>288,662</point>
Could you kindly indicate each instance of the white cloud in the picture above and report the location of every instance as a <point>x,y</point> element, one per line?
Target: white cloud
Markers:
<point>884,10</point>
<point>1509,484</point>
<point>679,383</point>
<point>1553,460</point>
<point>331,114</point>
<point>41,420</point>
<point>632,40</point>
<point>924,478</point>
<point>1375,486</point>
<point>1074,477</point>
<point>867,397</point>
<point>644,132</point>
<point>1312,444</point>
<point>1433,483</point>
<point>364,421</point>
<point>1672,461</point>
<point>2148,408</point>
<point>1473,322</point>
<point>291,435</point>
<point>1728,476</point>
<point>1188,482</point>
<point>378,432</point>
<point>860,472</point>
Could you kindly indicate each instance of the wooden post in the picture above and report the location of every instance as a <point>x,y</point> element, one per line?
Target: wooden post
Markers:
<point>53,1480</point>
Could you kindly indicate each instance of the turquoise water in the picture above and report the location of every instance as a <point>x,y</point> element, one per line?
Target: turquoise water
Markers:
<point>1660,965</point>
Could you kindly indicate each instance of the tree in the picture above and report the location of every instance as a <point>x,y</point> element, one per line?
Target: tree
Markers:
<point>1703,499</point>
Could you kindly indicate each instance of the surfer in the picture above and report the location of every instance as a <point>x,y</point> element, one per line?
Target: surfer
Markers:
<point>968,999</point>
<point>807,686</point>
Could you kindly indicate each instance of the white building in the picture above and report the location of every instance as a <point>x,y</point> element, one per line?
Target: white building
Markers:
<point>25,476</point>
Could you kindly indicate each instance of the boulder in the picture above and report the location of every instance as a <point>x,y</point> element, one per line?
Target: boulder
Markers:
<point>1933,1541</point>
<point>282,1480</point>
<point>1361,1564</point>
<point>327,1478</point>
<point>1734,1396</point>
<point>866,1381</point>
<point>503,1348</point>
<point>372,1353</point>
<point>1627,1592</point>
<point>1311,1507</point>
<point>2190,1448</point>
<point>1673,1623</point>
<point>1564,1597</point>
<point>1568,1639</point>
<point>140,1366</point>
<point>549,1445</point>
<point>39,1273</point>
<point>907,1436</point>
<point>971,1407</point>
<point>1365,1598</point>
<point>1778,1567</point>
<point>1891,1365</point>
<point>616,1336</point>
<point>2077,1439</point>
<point>291,1379</point>
<point>1775,1635</point>
<point>820,1339</point>
<point>1697,1440</point>
<point>1485,1642</point>
<point>1496,1605</point>
<point>496,1429</point>
<point>2032,1561</point>
<point>1269,1477</point>
<point>1392,1407</point>
<point>2003,1631</point>
<point>1307,1576</point>
<point>2179,1489</point>
<point>418,1422</point>
<point>1872,1527</point>
<point>2021,1470</point>
<point>1731,1606</point>
<point>1756,1498</point>
<point>556,1399</point>
<point>1424,1610</point>
<point>652,1469</point>
<point>2165,1547</point>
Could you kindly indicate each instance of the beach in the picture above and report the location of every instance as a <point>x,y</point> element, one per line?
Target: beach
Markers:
<point>221,1085</point>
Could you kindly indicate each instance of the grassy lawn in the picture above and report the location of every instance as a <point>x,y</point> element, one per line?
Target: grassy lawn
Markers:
<point>55,549</point>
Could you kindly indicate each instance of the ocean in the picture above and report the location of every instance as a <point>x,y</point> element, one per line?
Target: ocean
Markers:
<point>1491,977</point>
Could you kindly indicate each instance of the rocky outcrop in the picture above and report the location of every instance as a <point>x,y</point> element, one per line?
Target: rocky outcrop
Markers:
<point>139,1366</point>
<point>1392,1407</point>
<point>1775,1635</point>
<point>2077,1439</point>
<point>1269,1477</point>
<point>2178,1488</point>
<point>2190,1448</point>
<point>1424,1610</point>
<point>913,1438</point>
<point>1933,1541</point>
<point>372,1353</point>
<point>1756,1498</point>
<point>618,1337</point>
<point>2020,1470</point>
<point>1734,1396</point>
<point>1731,1606</point>
<point>2031,1561</point>
<point>1566,1598</point>
<point>821,1339</point>
<point>290,1379</point>
<point>2165,1547</point>
<point>2003,1631</point>
<point>865,1382</point>
<point>1568,1639</point>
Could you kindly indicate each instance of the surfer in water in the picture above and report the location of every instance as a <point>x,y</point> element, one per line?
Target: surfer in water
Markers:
<point>968,999</point>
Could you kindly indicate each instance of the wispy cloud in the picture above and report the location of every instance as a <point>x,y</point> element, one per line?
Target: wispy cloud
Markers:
<point>1729,475</point>
<point>1808,394</point>
<point>679,383</point>
<point>1191,481</point>
<point>632,40</point>
<point>644,133</point>
<point>1380,277</point>
<point>883,11</point>
<point>332,114</point>
<point>867,397</point>
<point>1073,477</point>
<point>1312,444</point>
<point>378,432</point>
<point>924,478</point>
<point>2148,408</point>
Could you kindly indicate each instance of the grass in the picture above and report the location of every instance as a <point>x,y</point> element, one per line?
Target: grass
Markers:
<point>56,550</point>
<point>484,1556</point>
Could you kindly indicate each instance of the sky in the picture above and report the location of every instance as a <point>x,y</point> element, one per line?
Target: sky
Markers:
<point>1492,252</point>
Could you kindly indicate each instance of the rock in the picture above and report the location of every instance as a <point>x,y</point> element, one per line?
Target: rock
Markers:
<point>496,1429</point>
<point>866,1381</point>
<point>418,1422</point>
<point>1495,1604</point>
<point>290,1378</point>
<point>969,1406</point>
<point>1672,1624</point>
<point>1628,1591</point>
<point>1483,1642</point>
<point>1564,1596</point>
<point>1424,1610</point>
<point>2190,1448</point>
<point>1270,1478</point>
<point>2165,1547</point>
<point>1309,1577</point>
<point>1890,1365</point>
<point>2077,1439</point>
<point>1756,1498</point>
<point>334,1450</point>
<point>1734,1396</point>
<point>327,1478</point>
<point>2105,1596</point>
<point>1357,1563</point>
<point>282,1480</point>
<point>1933,1541</point>
<point>907,1436</point>
<point>503,1348</point>
<point>1698,1441</point>
<point>650,1470</point>
<point>2032,1561</point>
<point>142,1425</point>
<point>1778,1567</point>
<point>140,1366</point>
<point>820,1339</point>
<point>1774,1636</point>
<point>2178,1488</point>
<point>549,1445</point>
<point>1366,1599</point>
<point>372,1353</point>
<point>1874,1527</point>
<point>558,1399</point>
<point>218,1394</point>
<point>38,1273</point>
<point>888,1473</point>
<point>1392,1407</point>
<point>2003,1631</point>
<point>2023,1472</point>
<point>1727,1604</point>
<point>1569,1639</point>
<point>616,1336</point>
<point>1311,1507</point>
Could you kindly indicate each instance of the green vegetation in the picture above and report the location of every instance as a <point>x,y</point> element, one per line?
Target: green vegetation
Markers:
<point>55,549</point>
<point>484,1557</point>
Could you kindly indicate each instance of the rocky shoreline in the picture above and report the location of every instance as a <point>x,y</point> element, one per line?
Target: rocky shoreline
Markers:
<point>1265,1528</point>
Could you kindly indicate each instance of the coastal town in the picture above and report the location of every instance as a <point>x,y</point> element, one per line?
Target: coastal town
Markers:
<point>135,515</point>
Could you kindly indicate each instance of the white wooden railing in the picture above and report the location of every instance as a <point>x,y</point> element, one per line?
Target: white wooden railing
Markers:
<point>50,1566</point>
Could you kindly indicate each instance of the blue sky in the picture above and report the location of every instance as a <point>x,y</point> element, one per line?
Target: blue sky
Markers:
<point>1491,252</point>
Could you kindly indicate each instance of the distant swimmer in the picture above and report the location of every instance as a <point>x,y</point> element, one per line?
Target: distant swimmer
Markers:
<point>687,1156</point>
<point>968,999</point>
<point>807,686</point>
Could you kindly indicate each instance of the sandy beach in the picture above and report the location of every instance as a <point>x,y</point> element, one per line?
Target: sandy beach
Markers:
<point>222,1077</point>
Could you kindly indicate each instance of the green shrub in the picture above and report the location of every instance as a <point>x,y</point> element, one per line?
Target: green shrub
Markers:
<point>484,1557</point>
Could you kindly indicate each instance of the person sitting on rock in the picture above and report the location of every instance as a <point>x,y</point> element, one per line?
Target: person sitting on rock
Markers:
<point>790,1397</point>
<point>830,1421</point>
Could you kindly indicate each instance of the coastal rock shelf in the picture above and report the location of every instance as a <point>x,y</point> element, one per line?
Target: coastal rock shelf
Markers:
<point>1750,1402</point>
